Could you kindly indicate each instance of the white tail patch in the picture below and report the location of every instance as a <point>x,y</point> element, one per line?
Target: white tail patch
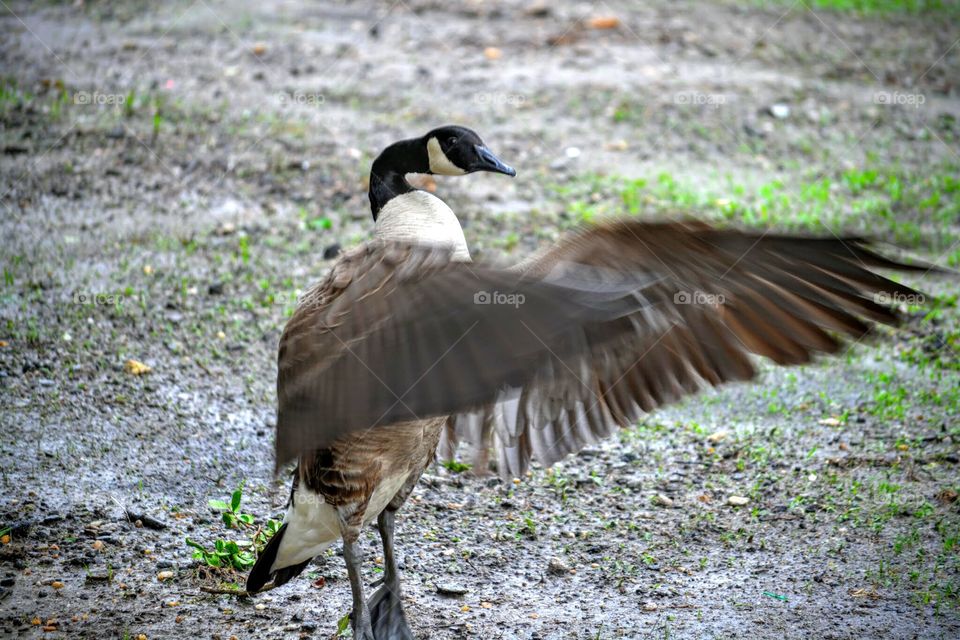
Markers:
<point>313,524</point>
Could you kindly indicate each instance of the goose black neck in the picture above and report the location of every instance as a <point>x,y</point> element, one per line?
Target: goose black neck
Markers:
<point>388,174</point>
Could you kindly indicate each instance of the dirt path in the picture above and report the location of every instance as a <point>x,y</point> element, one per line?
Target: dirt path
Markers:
<point>192,161</point>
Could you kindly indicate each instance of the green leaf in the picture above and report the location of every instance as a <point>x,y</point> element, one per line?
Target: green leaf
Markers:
<point>235,500</point>
<point>342,624</point>
<point>320,224</point>
<point>195,545</point>
<point>243,560</point>
<point>219,505</point>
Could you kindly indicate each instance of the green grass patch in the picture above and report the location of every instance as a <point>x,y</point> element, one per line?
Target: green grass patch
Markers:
<point>912,208</point>
<point>874,7</point>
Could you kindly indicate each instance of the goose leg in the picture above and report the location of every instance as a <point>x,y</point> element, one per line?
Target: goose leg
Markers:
<point>353,556</point>
<point>386,611</point>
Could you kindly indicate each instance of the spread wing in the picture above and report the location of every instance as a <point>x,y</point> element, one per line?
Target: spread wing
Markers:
<point>539,360</point>
<point>719,296</point>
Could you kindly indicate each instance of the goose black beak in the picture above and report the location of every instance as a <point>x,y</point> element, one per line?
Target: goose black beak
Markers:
<point>486,161</point>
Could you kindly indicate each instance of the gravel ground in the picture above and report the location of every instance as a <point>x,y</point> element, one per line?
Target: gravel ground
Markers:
<point>172,174</point>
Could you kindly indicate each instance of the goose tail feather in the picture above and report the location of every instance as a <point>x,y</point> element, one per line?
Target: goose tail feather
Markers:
<point>263,569</point>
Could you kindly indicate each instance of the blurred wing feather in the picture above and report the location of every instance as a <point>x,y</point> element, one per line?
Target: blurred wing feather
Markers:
<point>610,323</point>
<point>777,296</point>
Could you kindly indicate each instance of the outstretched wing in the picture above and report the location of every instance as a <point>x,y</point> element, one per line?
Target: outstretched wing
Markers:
<point>540,360</point>
<point>716,296</point>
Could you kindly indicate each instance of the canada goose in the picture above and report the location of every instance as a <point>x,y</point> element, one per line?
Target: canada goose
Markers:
<point>342,485</point>
<point>407,340</point>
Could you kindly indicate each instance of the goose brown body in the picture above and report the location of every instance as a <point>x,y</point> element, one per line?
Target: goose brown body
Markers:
<point>348,473</point>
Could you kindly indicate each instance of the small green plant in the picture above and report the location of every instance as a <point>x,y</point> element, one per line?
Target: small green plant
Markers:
<point>455,467</point>
<point>320,224</point>
<point>238,554</point>
<point>529,527</point>
<point>233,518</point>
<point>129,102</point>
<point>157,118</point>
<point>225,554</point>
<point>244,249</point>
<point>264,533</point>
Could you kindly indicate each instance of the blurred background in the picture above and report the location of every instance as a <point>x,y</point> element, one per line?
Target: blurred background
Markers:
<point>173,175</point>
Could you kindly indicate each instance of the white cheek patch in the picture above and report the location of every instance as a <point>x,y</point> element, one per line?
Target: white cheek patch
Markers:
<point>439,162</point>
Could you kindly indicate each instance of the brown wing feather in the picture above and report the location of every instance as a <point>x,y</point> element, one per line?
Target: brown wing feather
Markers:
<point>394,334</point>
<point>781,297</point>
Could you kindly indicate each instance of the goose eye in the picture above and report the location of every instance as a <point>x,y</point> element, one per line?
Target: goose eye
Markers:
<point>452,141</point>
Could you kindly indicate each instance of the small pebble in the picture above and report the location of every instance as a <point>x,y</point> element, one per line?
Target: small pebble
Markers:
<point>662,500</point>
<point>558,567</point>
<point>780,111</point>
<point>449,589</point>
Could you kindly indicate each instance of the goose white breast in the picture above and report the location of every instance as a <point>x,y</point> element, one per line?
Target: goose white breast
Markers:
<point>421,217</point>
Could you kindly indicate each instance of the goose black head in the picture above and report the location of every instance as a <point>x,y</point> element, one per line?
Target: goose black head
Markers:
<point>448,151</point>
<point>455,151</point>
